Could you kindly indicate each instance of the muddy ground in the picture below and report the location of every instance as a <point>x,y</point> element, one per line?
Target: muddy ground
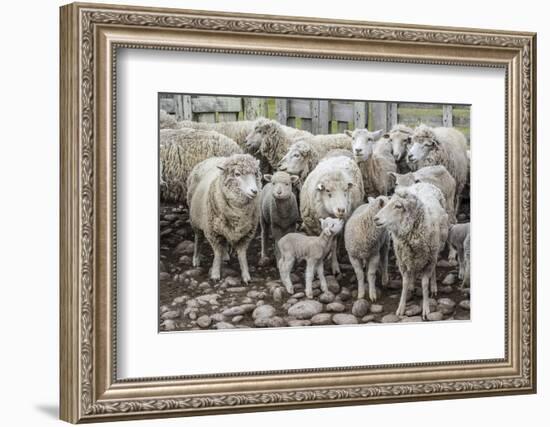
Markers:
<point>190,301</point>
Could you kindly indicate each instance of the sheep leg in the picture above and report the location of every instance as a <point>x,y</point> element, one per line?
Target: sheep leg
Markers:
<point>403,301</point>
<point>321,275</point>
<point>217,262</point>
<point>461,264</point>
<point>371,276</point>
<point>263,240</point>
<point>276,234</point>
<point>197,248</point>
<point>243,263</point>
<point>310,266</point>
<point>466,278</point>
<point>358,268</point>
<point>452,253</point>
<point>385,250</point>
<point>425,295</point>
<point>335,265</point>
<point>285,265</point>
<point>433,283</point>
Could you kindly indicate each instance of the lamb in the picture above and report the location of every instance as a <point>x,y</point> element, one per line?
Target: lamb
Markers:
<point>181,150</point>
<point>436,175</point>
<point>399,138</point>
<point>375,160</point>
<point>279,210</point>
<point>224,207</point>
<point>418,225</point>
<point>456,239</point>
<point>167,121</point>
<point>272,140</point>
<point>368,246</point>
<point>302,156</point>
<point>334,188</point>
<point>312,249</point>
<point>441,146</point>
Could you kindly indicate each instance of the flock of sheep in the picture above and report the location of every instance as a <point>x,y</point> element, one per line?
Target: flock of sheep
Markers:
<point>363,190</point>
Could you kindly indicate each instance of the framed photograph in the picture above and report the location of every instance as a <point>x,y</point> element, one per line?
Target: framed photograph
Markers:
<point>269,212</point>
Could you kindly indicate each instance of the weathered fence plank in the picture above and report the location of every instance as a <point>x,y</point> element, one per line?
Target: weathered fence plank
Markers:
<point>392,115</point>
<point>341,112</point>
<point>448,116</point>
<point>228,117</point>
<point>324,117</point>
<point>187,108</point>
<point>379,116</point>
<point>254,108</point>
<point>210,104</point>
<point>360,114</point>
<point>281,107</point>
<point>299,108</point>
<point>207,118</point>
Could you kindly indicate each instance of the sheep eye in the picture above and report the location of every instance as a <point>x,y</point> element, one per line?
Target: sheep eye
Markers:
<point>296,155</point>
<point>237,174</point>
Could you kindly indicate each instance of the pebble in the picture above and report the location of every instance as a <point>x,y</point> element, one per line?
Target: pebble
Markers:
<point>165,232</point>
<point>237,289</point>
<point>248,308</point>
<point>390,318</point>
<point>446,290</point>
<point>299,295</point>
<point>185,248</point>
<point>186,260</point>
<point>368,318</point>
<point>322,319</point>
<point>450,279</point>
<point>204,321</point>
<point>435,316</point>
<point>181,299</point>
<point>194,272</point>
<point>345,294</point>
<point>269,322</point>
<point>164,276</point>
<point>336,307</point>
<point>237,319</point>
<point>292,301</point>
<point>465,304</point>
<point>164,308</point>
<point>333,285</point>
<point>305,309</point>
<point>224,325</point>
<point>218,317</point>
<point>326,297</point>
<point>162,267</point>
<point>170,217</point>
<point>233,311</point>
<point>172,314</point>
<point>394,284</point>
<point>298,322</point>
<point>344,319</point>
<point>411,319</point>
<point>376,308</point>
<point>232,281</point>
<point>264,311</point>
<point>294,278</point>
<point>413,310</point>
<point>443,263</point>
<point>446,305</point>
<point>278,294</point>
<point>192,315</point>
<point>169,325</point>
<point>360,308</point>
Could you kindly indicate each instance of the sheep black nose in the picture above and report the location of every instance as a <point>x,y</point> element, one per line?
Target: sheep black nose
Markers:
<point>254,191</point>
<point>358,151</point>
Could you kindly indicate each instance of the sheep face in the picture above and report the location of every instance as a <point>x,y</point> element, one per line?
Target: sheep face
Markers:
<point>296,159</point>
<point>399,142</point>
<point>241,177</point>
<point>331,226</point>
<point>404,180</point>
<point>261,133</point>
<point>423,142</point>
<point>363,143</point>
<point>334,196</point>
<point>394,213</point>
<point>282,184</point>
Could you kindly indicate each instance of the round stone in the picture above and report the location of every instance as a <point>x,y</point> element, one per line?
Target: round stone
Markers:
<point>336,307</point>
<point>344,319</point>
<point>413,310</point>
<point>376,308</point>
<point>326,297</point>
<point>264,311</point>
<point>450,279</point>
<point>298,322</point>
<point>204,321</point>
<point>322,319</point>
<point>390,318</point>
<point>465,304</point>
<point>172,314</point>
<point>224,325</point>
<point>435,316</point>
<point>360,308</point>
<point>446,305</point>
<point>305,309</point>
<point>368,318</point>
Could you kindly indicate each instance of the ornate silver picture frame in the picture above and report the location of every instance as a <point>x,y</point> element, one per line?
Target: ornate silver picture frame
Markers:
<point>91,36</point>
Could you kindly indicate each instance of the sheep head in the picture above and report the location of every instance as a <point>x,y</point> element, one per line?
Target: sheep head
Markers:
<point>363,142</point>
<point>300,159</point>
<point>282,184</point>
<point>423,142</point>
<point>263,137</point>
<point>331,226</point>
<point>241,177</point>
<point>400,140</point>
<point>396,210</point>
<point>333,192</point>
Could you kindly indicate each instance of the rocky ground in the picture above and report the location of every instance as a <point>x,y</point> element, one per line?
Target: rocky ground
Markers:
<point>190,301</point>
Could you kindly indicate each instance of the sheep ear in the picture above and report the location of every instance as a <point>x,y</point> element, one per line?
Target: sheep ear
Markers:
<point>348,132</point>
<point>393,176</point>
<point>370,199</point>
<point>435,141</point>
<point>322,221</point>
<point>377,134</point>
<point>320,186</point>
<point>268,177</point>
<point>294,179</point>
<point>221,168</point>
<point>350,184</point>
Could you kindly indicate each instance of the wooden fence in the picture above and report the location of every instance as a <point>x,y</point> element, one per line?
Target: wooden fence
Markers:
<point>316,116</point>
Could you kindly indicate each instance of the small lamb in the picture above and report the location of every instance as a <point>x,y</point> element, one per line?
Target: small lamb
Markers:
<point>312,249</point>
<point>368,245</point>
<point>279,209</point>
<point>456,239</point>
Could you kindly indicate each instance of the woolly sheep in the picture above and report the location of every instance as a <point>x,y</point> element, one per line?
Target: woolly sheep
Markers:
<point>224,207</point>
<point>333,189</point>
<point>312,249</point>
<point>302,156</point>
<point>418,225</point>
<point>441,146</point>
<point>456,239</point>
<point>375,160</point>
<point>436,175</point>
<point>279,209</point>
<point>166,121</point>
<point>272,140</point>
<point>236,130</point>
<point>368,246</point>
<point>399,138</point>
<point>181,150</point>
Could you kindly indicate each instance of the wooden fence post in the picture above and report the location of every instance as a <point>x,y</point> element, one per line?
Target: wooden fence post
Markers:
<point>324,117</point>
<point>178,107</point>
<point>187,109</point>
<point>392,115</point>
<point>281,106</point>
<point>448,116</point>
<point>360,116</point>
<point>379,116</point>
<point>254,108</point>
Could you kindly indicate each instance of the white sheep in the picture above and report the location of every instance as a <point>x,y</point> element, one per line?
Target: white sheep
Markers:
<point>399,138</point>
<point>456,239</point>
<point>436,175</point>
<point>236,130</point>
<point>312,249</point>
<point>224,207</point>
<point>167,121</point>
<point>418,225</point>
<point>334,188</point>
<point>181,150</point>
<point>304,155</point>
<point>272,140</point>
<point>441,146</point>
<point>368,246</point>
<point>279,210</point>
<point>375,159</point>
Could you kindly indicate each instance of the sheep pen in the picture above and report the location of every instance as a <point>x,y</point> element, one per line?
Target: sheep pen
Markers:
<point>190,299</point>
